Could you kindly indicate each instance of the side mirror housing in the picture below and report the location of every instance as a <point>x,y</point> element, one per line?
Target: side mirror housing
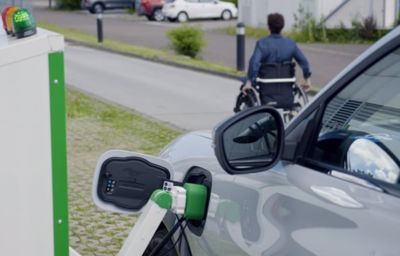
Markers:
<point>251,141</point>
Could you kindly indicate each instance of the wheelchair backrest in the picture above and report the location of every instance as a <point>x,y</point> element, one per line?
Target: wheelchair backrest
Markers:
<point>277,70</point>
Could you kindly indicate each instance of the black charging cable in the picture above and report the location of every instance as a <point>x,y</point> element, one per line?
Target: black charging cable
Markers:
<point>177,241</point>
<point>166,239</point>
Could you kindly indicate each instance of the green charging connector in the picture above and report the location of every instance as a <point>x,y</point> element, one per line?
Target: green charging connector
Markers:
<point>162,198</point>
<point>196,198</point>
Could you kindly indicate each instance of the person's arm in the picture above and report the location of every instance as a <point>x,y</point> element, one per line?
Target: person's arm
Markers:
<point>254,66</point>
<point>302,61</point>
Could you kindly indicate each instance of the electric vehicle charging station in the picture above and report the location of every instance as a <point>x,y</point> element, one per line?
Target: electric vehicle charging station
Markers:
<point>34,216</point>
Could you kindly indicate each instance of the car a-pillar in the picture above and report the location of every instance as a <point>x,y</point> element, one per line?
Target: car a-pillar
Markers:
<point>34,212</point>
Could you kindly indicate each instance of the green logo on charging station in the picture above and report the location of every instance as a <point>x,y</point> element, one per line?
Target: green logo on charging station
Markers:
<point>21,17</point>
<point>23,23</point>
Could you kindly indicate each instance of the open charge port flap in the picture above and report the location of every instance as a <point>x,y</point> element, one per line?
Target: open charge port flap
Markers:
<point>129,182</point>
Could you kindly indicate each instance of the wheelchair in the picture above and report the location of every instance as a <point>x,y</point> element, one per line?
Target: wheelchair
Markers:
<point>276,87</point>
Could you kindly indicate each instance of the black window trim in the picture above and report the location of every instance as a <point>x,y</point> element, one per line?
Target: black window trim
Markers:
<point>387,188</point>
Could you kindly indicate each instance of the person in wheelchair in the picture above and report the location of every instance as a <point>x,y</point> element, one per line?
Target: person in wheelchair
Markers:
<point>272,70</point>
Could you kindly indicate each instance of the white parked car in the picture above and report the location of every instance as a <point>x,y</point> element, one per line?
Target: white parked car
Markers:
<point>183,10</point>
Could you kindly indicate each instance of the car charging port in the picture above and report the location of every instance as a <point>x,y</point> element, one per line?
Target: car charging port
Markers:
<point>189,200</point>
<point>200,176</point>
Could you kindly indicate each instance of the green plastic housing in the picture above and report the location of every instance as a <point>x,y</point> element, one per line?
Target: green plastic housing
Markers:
<point>162,198</point>
<point>196,197</point>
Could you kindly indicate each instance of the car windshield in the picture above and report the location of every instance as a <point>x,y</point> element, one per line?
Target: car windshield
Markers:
<point>170,1</point>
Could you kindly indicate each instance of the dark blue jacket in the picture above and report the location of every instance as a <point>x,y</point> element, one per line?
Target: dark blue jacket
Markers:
<point>276,49</point>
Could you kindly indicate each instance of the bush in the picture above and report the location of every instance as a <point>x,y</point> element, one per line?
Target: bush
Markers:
<point>235,2</point>
<point>366,29</point>
<point>68,4</point>
<point>186,40</point>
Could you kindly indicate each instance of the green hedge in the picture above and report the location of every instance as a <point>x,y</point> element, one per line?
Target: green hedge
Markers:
<point>68,4</point>
<point>235,2</point>
<point>364,31</point>
<point>314,33</point>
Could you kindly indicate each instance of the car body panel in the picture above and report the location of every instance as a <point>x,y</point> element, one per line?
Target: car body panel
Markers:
<point>289,210</point>
<point>210,9</point>
<point>148,6</point>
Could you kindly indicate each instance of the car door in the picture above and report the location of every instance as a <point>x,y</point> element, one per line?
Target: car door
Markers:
<point>336,189</point>
<point>193,8</point>
<point>210,9</point>
<point>113,3</point>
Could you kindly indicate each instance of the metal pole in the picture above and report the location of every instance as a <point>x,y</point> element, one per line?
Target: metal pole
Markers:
<point>240,46</point>
<point>50,4</point>
<point>100,28</point>
<point>384,14</point>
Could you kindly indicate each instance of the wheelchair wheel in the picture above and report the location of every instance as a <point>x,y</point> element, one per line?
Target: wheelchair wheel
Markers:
<point>300,100</point>
<point>244,102</point>
<point>300,97</point>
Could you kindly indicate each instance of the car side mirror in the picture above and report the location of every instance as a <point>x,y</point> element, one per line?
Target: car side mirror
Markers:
<point>373,159</point>
<point>124,181</point>
<point>251,141</point>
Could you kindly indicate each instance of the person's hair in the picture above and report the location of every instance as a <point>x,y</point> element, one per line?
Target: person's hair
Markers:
<point>276,22</point>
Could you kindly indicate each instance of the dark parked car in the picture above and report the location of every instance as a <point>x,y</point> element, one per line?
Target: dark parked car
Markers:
<point>98,6</point>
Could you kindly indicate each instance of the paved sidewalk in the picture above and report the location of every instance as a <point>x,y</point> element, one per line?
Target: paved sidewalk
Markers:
<point>326,59</point>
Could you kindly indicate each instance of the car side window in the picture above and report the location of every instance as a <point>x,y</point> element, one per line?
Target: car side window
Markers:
<point>360,128</point>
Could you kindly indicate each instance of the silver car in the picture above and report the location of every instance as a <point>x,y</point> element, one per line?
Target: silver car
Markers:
<point>326,184</point>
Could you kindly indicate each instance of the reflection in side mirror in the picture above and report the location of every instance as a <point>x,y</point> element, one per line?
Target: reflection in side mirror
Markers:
<point>256,131</point>
<point>250,141</point>
<point>371,159</point>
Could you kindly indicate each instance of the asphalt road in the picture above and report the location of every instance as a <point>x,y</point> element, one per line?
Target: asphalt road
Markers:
<point>184,98</point>
<point>326,60</point>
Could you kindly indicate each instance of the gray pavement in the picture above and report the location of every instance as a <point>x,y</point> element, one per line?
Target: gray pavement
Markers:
<point>326,59</point>
<point>184,98</point>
